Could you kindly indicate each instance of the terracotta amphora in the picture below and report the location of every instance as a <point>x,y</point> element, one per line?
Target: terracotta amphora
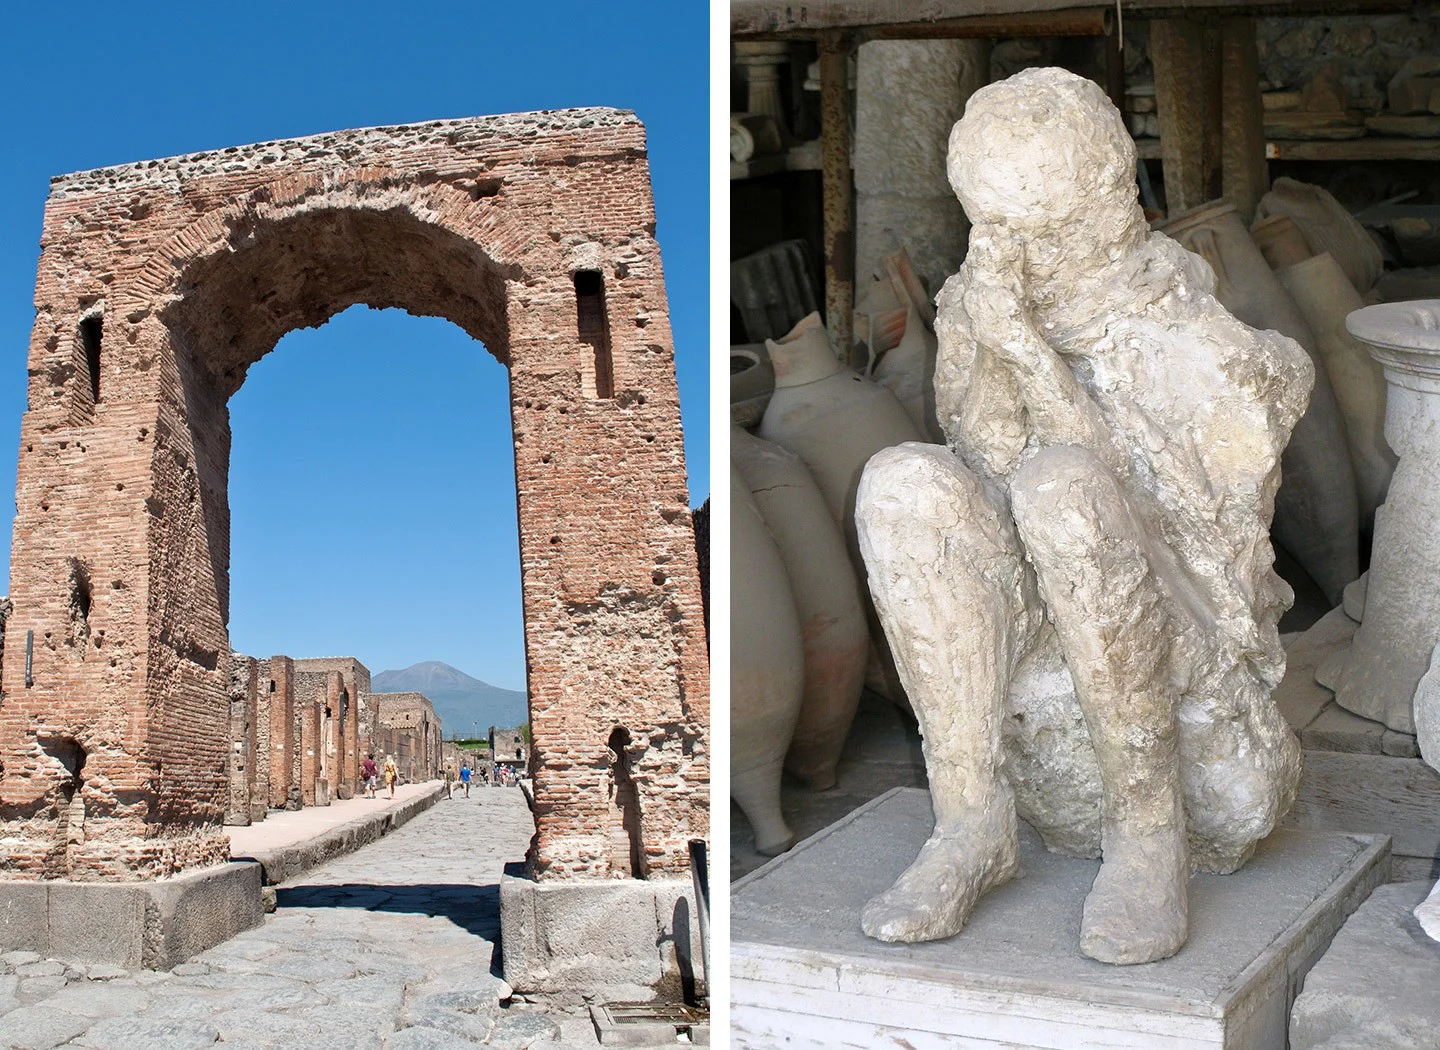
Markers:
<point>767,670</point>
<point>1327,227</point>
<point>908,371</point>
<point>1317,510</point>
<point>827,600</point>
<point>1326,297</point>
<point>835,419</point>
<point>1280,241</point>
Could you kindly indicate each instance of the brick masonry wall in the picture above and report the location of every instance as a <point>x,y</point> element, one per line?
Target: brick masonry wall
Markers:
<point>193,267</point>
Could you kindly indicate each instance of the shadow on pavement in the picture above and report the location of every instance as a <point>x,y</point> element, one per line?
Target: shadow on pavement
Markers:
<point>475,909</point>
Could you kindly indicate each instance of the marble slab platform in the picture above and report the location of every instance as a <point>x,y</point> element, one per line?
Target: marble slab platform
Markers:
<point>804,976</point>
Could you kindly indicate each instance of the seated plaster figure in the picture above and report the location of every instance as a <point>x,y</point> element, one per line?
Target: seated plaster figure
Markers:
<point>1078,589</point>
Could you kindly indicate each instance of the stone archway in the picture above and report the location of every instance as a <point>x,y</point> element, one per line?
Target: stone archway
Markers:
<point>159,284</point>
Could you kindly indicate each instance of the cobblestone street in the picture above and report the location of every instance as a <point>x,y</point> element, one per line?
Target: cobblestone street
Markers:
<point>389,948</point>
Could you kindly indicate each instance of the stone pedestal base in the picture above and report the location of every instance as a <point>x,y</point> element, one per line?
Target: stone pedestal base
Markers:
<point>1375,986</point>
<point>156,924</point>
<point>804,976</point>
<point>621,939</point>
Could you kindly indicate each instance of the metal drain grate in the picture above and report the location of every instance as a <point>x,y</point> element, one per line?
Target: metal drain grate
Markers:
<point>650,1024</point>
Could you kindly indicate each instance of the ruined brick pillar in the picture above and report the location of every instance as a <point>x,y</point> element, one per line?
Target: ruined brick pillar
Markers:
<point>312,715</point>
<point>334,734</point>
<point>349,743</point>
<point>283,744</point>
<point>612,599</point>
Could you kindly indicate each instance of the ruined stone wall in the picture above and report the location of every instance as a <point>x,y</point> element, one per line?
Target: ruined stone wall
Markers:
<point>1365,50</point>
<point>355,715</point>
<point>241,759</point>
<point>160,283</point>
<point>260,786</point>
<point>415,734</point>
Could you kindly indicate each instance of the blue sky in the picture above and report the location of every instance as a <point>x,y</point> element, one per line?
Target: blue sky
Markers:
<point>372,484</point>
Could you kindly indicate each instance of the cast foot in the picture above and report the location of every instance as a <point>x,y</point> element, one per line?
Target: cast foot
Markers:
<point>1137,910</point>
<point>934,897</point>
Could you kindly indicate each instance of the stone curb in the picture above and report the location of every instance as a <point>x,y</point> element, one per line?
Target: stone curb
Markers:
<point>288,862</point>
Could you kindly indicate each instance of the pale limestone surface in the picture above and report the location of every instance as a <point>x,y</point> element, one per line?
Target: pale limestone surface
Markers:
<point>908,94</point>
<point>1079,590</point>
<point>1375,985</point>
<point>1387,673</point>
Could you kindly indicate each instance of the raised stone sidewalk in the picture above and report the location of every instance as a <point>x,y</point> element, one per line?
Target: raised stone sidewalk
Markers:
<point>288,843</point>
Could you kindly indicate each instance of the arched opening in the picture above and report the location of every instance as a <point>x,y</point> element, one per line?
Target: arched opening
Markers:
<point>310,285</point>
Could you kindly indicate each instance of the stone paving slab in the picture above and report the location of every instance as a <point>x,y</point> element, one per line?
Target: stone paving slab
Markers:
<point>288,843</point>
<point>392,947</point>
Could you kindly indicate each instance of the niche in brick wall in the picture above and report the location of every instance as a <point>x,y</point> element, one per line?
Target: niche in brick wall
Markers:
<point>86,394</point>
<point>594,330</point>
<point>627,851</point>
<point>82,596</point>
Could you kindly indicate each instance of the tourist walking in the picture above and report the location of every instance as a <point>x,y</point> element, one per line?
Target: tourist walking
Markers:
<point>371,772</point>
<point>392,773</point>
<point>465,779</point>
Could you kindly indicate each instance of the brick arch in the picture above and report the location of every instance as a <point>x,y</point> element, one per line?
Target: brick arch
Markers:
<point>195,267</point>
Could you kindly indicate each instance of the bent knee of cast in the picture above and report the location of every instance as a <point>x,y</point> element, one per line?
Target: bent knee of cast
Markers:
<point>1061,481</point>
<point>894,477</point>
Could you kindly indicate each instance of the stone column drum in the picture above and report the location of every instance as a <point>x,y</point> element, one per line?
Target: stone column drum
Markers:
<point>1395,644</point>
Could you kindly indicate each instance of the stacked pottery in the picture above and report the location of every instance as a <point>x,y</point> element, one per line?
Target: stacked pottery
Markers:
<point>752,382</point>
<point>1317,512</point>
<point>832,418</point>
<point>879,322</point>
<point>1326,297</point>
<point>908,371</point>
<point>1280,241</point>
<point>827,601</point>
<point>1327,227</point>
<point>835,420</point>
<point>767,670</point>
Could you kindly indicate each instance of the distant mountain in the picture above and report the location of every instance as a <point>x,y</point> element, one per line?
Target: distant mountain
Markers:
<point>465,705</point>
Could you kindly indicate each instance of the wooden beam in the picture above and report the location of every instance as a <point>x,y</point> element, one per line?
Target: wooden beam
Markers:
<point>1245,175</point>
<point>916,19</point>
<point>1093,21</point>
<point>1187,97</point>
<point>838,188</point>
<point>1355,149</point>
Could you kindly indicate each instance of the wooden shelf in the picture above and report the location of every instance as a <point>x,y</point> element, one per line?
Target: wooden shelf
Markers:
<point>1369,148</point>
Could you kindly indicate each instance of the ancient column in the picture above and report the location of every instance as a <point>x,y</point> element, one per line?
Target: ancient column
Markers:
<point>908,95</point>
<point>349,741</point>
<point>282,730</point>
<point>312,716</point>
<point>1395,645</point>
<point>334,735</point>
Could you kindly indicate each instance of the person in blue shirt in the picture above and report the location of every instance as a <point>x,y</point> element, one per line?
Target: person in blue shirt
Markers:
<point>465,779</point>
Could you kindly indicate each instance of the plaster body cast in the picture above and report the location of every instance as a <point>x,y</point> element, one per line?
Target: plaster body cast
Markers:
<point>1078,591</point>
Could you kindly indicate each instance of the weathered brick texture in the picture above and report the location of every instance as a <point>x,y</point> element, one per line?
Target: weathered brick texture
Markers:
<point>159,285</point>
